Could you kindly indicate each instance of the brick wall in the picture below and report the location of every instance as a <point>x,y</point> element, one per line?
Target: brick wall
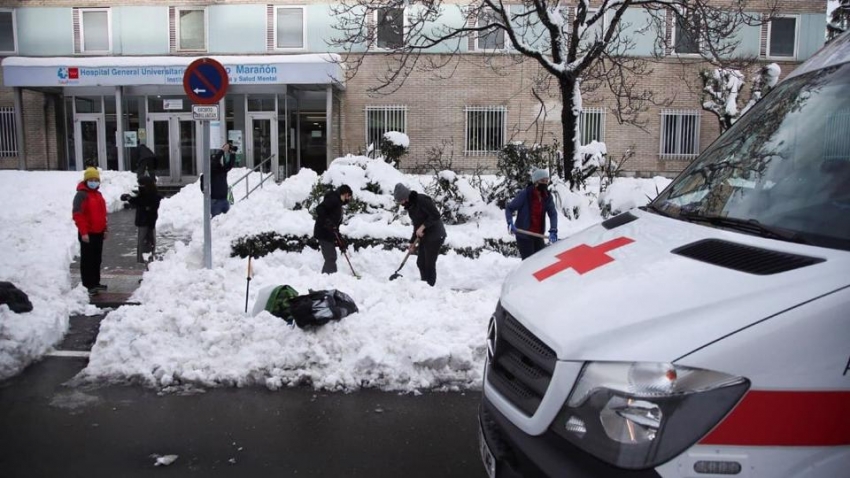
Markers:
<point>39,130</point>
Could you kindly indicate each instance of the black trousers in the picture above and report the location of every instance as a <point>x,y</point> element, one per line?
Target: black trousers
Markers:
<point>91,254</point>
<point>329,254</point>
<point>426,260</point>
<point>529,245</point>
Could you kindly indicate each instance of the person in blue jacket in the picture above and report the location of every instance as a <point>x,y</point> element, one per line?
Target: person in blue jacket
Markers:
<point>531,206</point>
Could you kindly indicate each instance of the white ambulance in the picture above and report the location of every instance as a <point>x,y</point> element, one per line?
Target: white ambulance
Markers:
<point>704,335</point>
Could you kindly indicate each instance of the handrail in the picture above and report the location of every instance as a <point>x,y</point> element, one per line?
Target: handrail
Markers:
<point>264,178</point>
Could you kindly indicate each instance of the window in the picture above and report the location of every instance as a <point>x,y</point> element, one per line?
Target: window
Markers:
<point>592,125</point>
<point>381,119</point>
<point>95,31</point>
<point>289,27</point>
<point>390,27</point>
<point>7,31</point>
<point>680,133</point>
<point>782,37</point>
<point>191,29</point>
<point>686,39</point>
<point>485,129</point>
<point>8,133</point>
<point>493,39</point>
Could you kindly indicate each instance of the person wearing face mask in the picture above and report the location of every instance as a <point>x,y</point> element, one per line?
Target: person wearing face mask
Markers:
<point>531,206</point>
<point>89,214</point>
<point>326,229</point>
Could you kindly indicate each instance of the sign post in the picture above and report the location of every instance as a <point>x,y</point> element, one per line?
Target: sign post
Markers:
<point>205,83</point>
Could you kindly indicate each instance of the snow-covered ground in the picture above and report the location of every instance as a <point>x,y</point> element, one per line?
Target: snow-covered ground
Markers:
<point>191,327</point>
<point>38,242</point>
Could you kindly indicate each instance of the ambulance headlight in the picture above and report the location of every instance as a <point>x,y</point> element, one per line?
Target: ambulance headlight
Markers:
<point>640,415</point>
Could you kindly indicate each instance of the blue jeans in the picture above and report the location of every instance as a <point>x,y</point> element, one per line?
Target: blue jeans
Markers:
<point>219,206</point>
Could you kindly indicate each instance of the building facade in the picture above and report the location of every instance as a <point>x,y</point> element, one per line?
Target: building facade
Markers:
<point>91,81</point>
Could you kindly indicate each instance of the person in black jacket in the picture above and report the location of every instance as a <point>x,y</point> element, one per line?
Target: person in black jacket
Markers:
<point>222,162</point>
<point>146,202</point>
<point>326,229</point>
<point>427,228</point>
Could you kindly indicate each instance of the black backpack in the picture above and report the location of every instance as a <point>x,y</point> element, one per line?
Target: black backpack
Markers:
<point>320,307</point>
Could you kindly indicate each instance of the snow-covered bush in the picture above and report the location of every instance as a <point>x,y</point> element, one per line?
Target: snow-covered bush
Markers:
<point>393,146</point>
<point>452,195</point>
<point>514,164</point>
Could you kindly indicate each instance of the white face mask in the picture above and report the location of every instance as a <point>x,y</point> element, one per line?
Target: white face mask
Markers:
<point>93,184</point>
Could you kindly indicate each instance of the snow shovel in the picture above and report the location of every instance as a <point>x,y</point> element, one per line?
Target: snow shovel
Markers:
<point>349,265</point>
<point>344,253</point>
<point>533,234</point>
<point>396,274</point>
<point>248,285</point>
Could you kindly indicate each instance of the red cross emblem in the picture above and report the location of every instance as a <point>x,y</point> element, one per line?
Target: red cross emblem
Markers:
<point>583,258</point>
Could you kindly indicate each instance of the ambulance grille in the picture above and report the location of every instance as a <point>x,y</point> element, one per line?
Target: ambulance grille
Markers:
<point>740,257</point>
<point>522,365</point>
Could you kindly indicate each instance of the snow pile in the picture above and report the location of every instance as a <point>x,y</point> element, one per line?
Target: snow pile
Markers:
<point>37,245</point>
<point>192,327</point>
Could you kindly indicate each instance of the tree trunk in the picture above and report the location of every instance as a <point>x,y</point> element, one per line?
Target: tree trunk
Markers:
<point>569,123</point>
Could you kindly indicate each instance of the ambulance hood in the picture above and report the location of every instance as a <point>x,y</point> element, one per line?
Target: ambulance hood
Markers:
<point>648,303</point>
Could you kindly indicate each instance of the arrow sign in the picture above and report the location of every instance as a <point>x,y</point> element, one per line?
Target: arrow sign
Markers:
<point>205,81</point>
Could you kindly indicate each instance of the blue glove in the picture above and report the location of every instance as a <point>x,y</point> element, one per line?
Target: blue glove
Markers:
<point>553,236</point>
<point>511,228</point>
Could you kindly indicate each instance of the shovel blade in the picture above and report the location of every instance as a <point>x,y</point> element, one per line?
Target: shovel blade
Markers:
<point>395,276</point>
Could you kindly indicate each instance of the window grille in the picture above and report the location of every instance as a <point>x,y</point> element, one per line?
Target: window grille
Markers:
<point>381,119</point>
<point>8,133</point>
<point>680,133</point>
<point>592,125</point>
<point>485,129</point>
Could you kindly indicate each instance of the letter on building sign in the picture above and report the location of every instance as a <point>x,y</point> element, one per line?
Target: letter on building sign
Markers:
<point>847,368</point>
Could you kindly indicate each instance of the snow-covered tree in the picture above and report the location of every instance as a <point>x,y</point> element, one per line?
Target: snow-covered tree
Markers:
<point>572,43</point>
<point>722,89</point>
<point>839,21</point>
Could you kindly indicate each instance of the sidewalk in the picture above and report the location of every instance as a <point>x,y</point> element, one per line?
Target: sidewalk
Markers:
<point>119,270</point>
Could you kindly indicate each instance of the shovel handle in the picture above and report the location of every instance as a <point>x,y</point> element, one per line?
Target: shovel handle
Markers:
<point>409,250</point>
<point>529,233</point>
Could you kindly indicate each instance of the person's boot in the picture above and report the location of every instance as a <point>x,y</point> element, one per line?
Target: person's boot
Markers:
<point>100,287</point>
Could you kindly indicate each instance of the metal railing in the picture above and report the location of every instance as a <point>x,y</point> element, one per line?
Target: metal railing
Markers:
<point>263,178</point>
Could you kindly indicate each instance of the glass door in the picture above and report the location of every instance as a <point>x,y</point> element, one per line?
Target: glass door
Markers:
<point>159,141</point>
<point>173,138</point>
<point>187,134</point>
<point>262,142</point>
<point>90,141</point>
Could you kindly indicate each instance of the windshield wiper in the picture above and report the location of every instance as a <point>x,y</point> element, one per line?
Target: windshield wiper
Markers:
<point>657,210</point>
<point>750,226</point>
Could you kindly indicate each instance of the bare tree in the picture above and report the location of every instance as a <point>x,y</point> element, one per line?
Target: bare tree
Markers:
<point>573,44</point>
<point>723,87</point>
<point>839,21</point>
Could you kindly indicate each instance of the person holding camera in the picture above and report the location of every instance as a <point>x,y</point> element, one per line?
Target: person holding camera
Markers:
<point>222,163</point>
<point>146,202</point>
<point>326,229</point>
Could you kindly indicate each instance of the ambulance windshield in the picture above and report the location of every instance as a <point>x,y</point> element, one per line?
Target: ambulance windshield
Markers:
<point>782,171</point>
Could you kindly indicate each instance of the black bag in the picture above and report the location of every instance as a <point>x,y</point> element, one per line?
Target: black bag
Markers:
<point>15,298</point>
<point>320,307</point>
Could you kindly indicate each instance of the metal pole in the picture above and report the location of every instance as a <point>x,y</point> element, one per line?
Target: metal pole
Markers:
<point>207,200</point>
<point>19,128</point>
<point>119,117</point>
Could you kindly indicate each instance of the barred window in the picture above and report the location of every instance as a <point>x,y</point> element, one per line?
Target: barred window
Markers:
<point>8,133</point>
<point>592,125</point>
<point>485,129</point>
<point>680,133</point>
<point>381,119</point>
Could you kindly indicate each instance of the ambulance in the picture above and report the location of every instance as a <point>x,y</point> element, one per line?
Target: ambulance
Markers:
<point>704,335</point>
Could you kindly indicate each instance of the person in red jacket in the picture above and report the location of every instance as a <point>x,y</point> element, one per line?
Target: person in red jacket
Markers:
<point>89,215</point>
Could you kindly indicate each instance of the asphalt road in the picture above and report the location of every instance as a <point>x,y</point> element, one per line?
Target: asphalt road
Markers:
<point>51,430</point>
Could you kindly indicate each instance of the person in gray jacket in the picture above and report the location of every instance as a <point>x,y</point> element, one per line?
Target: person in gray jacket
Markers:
<point>427,228</point>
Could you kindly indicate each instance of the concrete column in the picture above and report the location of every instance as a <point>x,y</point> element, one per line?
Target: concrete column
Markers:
<point>329,108</point>
<point>119,117</point>
<point>19,128</point>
